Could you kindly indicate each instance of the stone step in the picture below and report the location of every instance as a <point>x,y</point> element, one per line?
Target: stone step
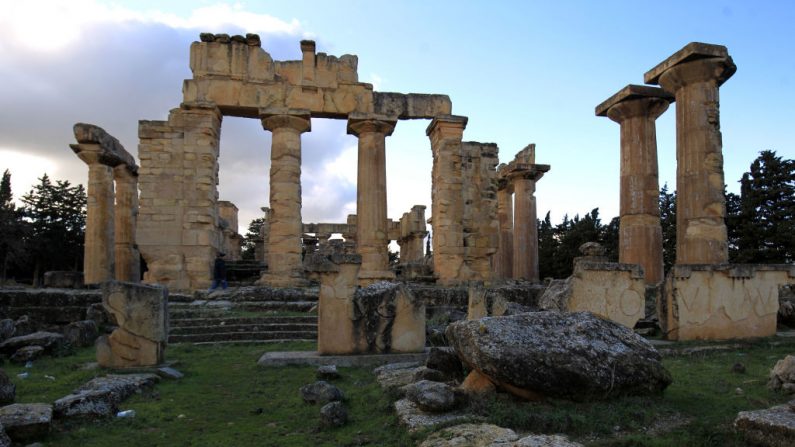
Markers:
<point>249,342</point>
<point>252,306</point>
<point>243,336</point>
<point>185,322</point>
<point>244,328</point>
<point>247,294</point>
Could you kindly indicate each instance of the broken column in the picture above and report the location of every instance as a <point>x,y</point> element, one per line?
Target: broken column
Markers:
<point>141,311</point>
<point>635,108</point>
<point>285,268</point>
<point>694,74</point>
<point>412,233</point>
<point>101,152</point>
<point>128,260</point>
<point>371,200</point>
<point>446,133</point>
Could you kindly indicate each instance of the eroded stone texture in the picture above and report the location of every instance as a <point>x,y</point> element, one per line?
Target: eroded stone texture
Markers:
<point>177,229</point>
<point>142,315</point>
<point>412,233</point>
<point>693,75</point>
<point>636,108</point>
<point>285,268</point>
<point>127,257</point>
<point>26,422</point>
<point>371,198</point>
<point>714,302</point>
<point>480,226</point>
<point>503,261</point>
<point>232,240</point>
<point>772,427</point>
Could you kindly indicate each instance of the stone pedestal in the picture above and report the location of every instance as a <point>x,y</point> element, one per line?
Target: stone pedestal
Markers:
<point>718,302</point>
<point>371,199</point>
<point>128,263</point>
<point>446,133</point>
<point>98,264</point>
<point>285,268</point>
<point>693,75</point>
<point>636,108</point>
<point>503,266</point>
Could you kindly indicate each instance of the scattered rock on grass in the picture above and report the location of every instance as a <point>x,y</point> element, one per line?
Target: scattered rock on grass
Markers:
<point>472,435</point>
<point>327,372</point>
<point>81,333</point>
<point>333,414</point>
<point>321,392</point>
<point>168,372</point>
<point>414,419</point>
<point>47,340</point>
<point>782,376</point>
<point>26,354</point>
<point>774,427</point>
<point>545,441</point>
<point>26,422</point>
<point>8,390</point>
<point>433,396</point>
<point>396,375</point>
<point>100,397</point>
<point>738,368</point>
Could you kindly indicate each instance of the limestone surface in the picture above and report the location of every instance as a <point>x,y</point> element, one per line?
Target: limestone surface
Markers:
<point>572,355</point>
<point>26,422</point>
<point>472,435</point>
<point>782,376</point>
<point>432,396</point>
<point>772,427</point>
<point>321,392</point>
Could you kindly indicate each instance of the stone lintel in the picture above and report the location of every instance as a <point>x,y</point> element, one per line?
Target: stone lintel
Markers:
<point>691,51</point>
<point>631,92</point>
<point>450,120</point>
<point>363,122</point>
<point>411,105</point>
<point>636,270</point>
<point>111,152</point>
<point>328,228</point>
<point>523,170</point>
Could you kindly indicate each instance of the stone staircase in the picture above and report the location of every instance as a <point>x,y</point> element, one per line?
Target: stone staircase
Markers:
<point>243,315</point>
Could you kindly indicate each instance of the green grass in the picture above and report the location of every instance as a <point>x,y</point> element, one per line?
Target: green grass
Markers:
<point>225,399</point>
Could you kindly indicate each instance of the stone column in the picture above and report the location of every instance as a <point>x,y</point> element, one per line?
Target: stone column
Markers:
<point>98,265</point>
<point>525,234</point>
<point>636,108</point>
<point>693,75</point>
<point>128,262</point>
<point>372,242</point>
<point>504,258</point>
<point>285,267</point>
<point>446,133</point>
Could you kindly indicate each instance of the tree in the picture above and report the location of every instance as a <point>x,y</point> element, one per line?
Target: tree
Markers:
<point>56,216</point>
<point>547,245</point>
<point>668,224</point>
<point>12,227</point>
<point>766,226</point>
<point>251,238</point>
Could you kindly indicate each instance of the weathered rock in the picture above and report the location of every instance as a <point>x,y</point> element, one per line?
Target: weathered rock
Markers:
<point>24,325</point>
<point>321,392</point>
<point>782,376</point>
<point>101,396</point>
<point>431,396</point>
<point>97,313</point>
<point>414,419</point>
<point>445,360</point>
<point>472,435</point>
<point>425,373</point>
<point>26,422</point>
<point>572,355</point>
<point>545,441</point>
<point>26,354</point>
<point>327,372</point>
<point>5,441</point>
<point>7,329</point>
<point>773,427</point>
<point>786,313</point>
<point>63,279</point>
<point>81,333</point>
<point>396,375</point>
<point>333,414</point>
<point>168,372</point>
<point>477,383</point>
<point>47,340</point>
<point>8,391</point>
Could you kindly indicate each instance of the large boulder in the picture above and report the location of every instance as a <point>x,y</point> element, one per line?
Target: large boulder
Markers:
<point>26,422</point>
<point>50,341</point>
<point>774,427</point>
<point>100,396</point>
<point>574,356</point>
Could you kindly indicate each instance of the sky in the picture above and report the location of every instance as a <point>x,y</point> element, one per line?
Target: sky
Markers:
<point>522,71</point>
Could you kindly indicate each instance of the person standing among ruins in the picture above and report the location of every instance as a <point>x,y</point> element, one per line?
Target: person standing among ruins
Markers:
<point>219,272</point>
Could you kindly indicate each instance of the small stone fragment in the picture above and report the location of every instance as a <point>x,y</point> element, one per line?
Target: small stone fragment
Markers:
<point>333,414</point>
<point>8,390</point>
<point>433,396</point>
<point>321,392</point>
<point>168,372</point>
<point>26,354</point>
<point>81,333</point>
<point>327,372</point>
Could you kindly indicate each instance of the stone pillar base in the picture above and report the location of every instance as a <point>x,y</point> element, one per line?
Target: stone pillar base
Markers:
<point>720,302</point>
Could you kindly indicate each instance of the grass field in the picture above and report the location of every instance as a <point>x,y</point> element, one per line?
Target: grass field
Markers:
<point>225,399</point>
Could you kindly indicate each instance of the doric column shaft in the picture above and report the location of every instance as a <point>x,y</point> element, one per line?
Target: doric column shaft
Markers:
<point>128,264</point>
<point>640,234</point>
<point>371,202</point>
<point>504,258</point>
<point>285,266</point>
<point>525,235</point>
<point>700,210</point>
<point>446,133</point>
<point>98,265</point>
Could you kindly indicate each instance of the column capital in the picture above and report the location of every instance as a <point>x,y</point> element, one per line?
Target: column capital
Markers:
<point>364,123</point>
<point>296,119</point>
<point>689,53</point>
<point>447,122</point>
<point>717,70</point>
<point>635,101</point>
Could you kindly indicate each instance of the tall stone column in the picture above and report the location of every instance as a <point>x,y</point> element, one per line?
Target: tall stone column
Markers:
<point>636,108</point>
<point>128,263</point>
<point>504,258</point>
<point>446,133</point>
<point>693,75</point>
<point>372,241</point>
<point>98,265</point>
<point>525,234</point>
<point>285,267</point>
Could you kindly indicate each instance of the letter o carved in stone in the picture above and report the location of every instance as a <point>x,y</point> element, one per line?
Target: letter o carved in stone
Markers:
<point>630,302</point>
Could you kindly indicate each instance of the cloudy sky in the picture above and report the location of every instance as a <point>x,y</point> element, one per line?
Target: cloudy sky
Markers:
<point>522,71</point>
